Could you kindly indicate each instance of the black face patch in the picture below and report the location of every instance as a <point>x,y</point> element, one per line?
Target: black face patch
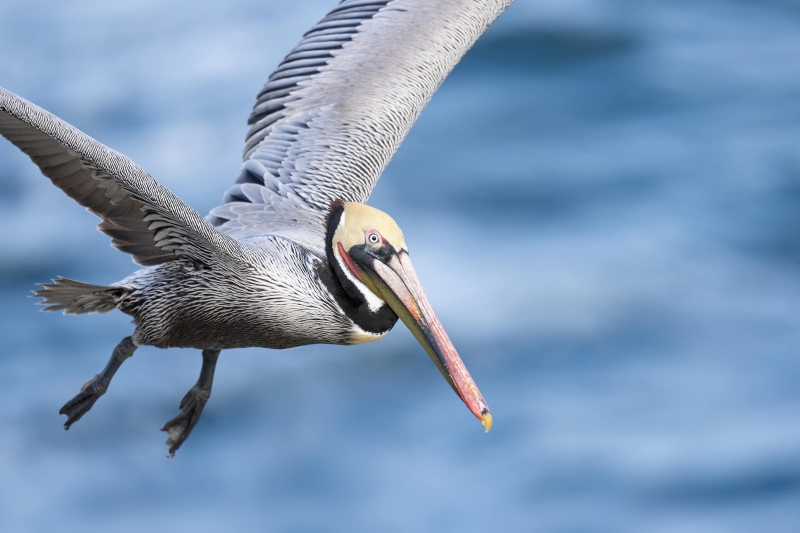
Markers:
<point>364,253</point>
<point>344,291</point>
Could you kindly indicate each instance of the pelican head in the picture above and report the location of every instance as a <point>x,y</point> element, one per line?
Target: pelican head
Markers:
<point>367,251</point>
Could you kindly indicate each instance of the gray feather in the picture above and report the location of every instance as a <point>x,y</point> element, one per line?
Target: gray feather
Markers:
<point>111,186</point>
<point>333,113</point>
<point>75,297</point>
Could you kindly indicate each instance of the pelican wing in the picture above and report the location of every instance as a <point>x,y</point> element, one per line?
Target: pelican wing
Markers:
<point>335,110</point>
<point>140,215</point>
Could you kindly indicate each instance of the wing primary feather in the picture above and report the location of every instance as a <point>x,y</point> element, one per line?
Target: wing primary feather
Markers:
<point>299,63</point>
<point>299,72</point>
<point>354,6</point>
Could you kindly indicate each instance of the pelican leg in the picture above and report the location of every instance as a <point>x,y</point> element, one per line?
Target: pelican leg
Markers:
<point>98,385</point>
<point>179,428</point>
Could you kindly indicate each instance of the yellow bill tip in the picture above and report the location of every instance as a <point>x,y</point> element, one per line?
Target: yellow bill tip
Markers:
<point>486,420</point>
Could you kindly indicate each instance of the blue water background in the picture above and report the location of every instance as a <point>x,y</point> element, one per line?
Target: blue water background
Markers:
<point>602,202</point>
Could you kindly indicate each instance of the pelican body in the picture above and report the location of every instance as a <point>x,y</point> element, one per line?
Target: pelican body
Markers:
<point>293,255</point>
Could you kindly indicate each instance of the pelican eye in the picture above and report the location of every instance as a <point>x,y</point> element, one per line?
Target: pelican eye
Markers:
<point>373,238</point>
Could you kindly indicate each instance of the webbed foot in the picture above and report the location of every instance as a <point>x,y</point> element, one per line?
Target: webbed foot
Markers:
<point>82,402</point>
<point>179,428</point>
<point>98,385</point>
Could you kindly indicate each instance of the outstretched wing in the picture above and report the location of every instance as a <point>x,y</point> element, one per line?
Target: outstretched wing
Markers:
<point>333,113</point>
<point>140,215</point>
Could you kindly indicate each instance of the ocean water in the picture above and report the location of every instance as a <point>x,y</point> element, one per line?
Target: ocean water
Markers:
<point>601,202</point>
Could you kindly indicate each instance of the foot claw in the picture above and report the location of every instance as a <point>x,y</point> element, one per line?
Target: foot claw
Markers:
<point>179,428</point>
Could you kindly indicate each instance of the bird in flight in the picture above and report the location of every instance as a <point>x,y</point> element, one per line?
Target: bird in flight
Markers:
<point>293,255</point>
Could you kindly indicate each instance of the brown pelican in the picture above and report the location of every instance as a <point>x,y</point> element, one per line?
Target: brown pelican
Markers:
<point>292,256</point>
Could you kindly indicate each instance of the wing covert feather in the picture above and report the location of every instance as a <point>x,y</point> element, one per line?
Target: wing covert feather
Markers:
<point>333,113</point>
